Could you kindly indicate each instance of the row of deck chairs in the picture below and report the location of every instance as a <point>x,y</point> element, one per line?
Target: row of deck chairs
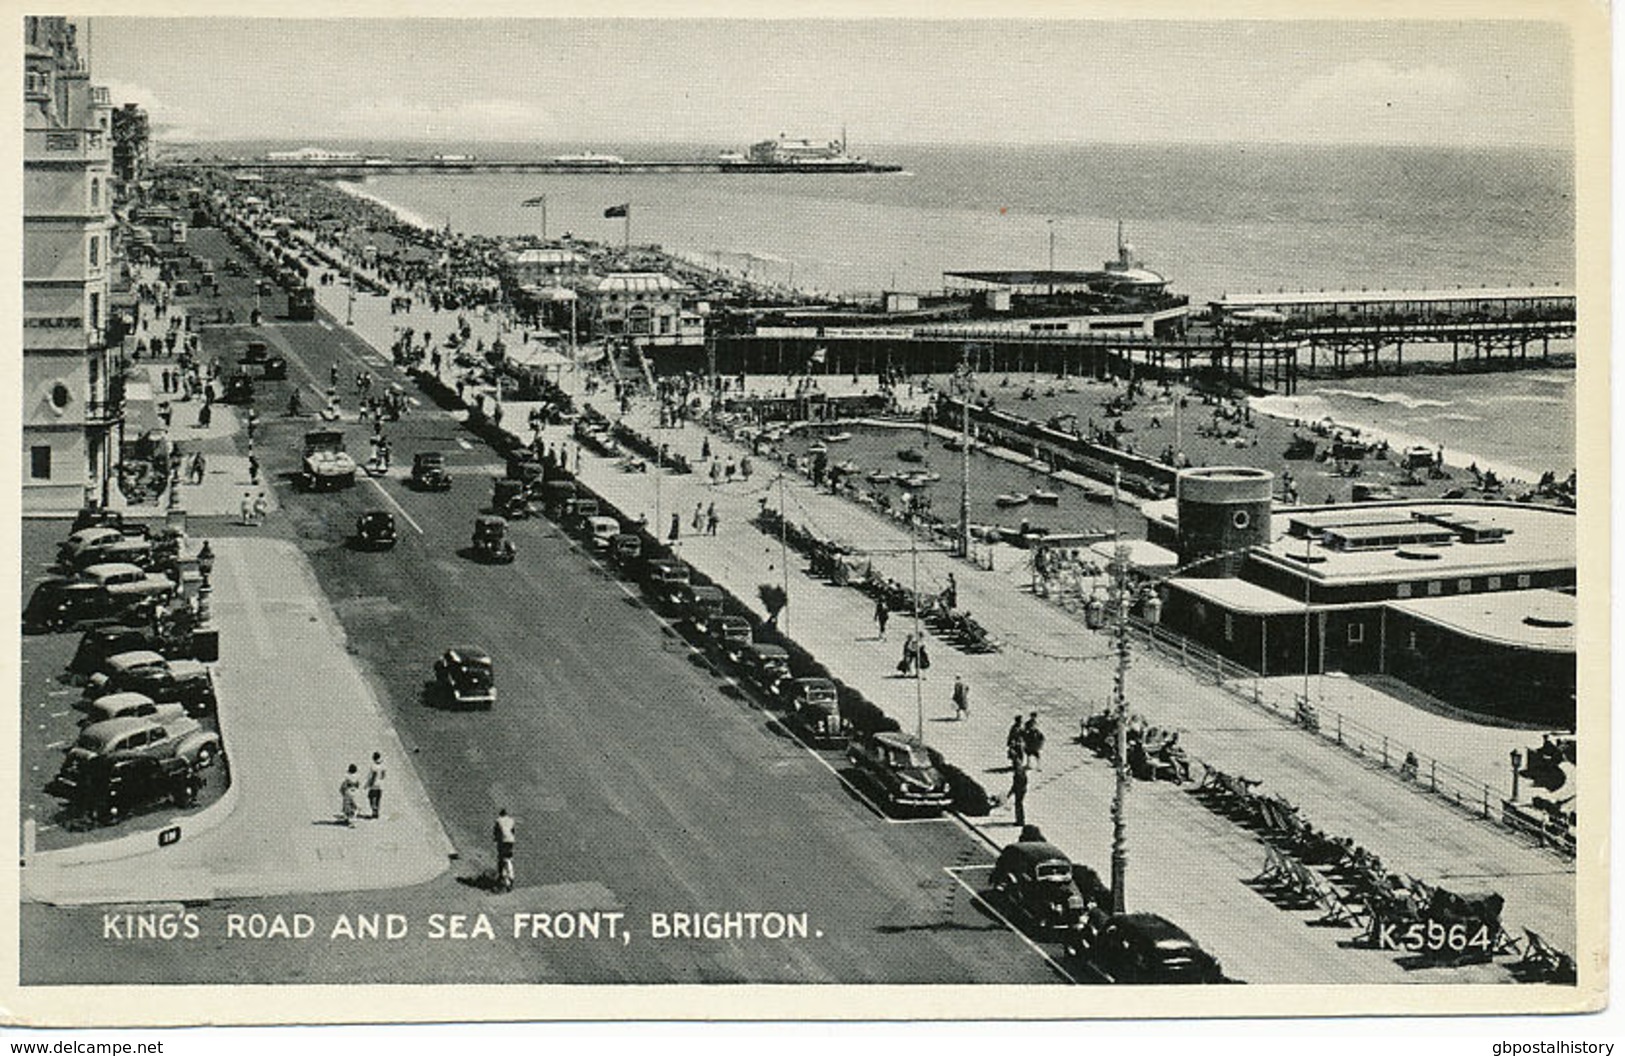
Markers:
<point>1305,868</point>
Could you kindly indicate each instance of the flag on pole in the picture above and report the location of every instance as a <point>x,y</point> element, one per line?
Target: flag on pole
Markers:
<point>540,199</point>
<point>624,209</point>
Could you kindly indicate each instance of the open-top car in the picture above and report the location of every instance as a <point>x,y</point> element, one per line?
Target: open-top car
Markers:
<point>429,471</point>
<point>491,543</point>
<point>1043,889</point>
<point>900,768</point>
<point>467,676</point>
<point>815,708</point>
<point>327,465</point>
<point>375,530</point>
<point>1144,948</point>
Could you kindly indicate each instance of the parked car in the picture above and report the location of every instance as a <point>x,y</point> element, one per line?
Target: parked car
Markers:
<point>603,531</point>
<point>86,540</point>
<point>185,682</point>
<point>1144,948</point>
<point>96,517</point>
<point>815,707</point>
<point>375,530</point>
<point>729,636</point>
<point>666,580</point>
<point>765,666</point>
<point>699,605</point>
<point>467,676</point>
<point>529,471</point>
<point>182,738</point>
<point>1044,889</point>
<point>625,551</point>
<point>555,493</point>
<point>327,465</point>
<point>121,580</point>
<point>508,499</point>
<point>62,604</point>
<point>111,788</point>
<point>128,706</point>
<point>429,472</point>
<point>101,643</point>
<point>258,361</point>
<point>900,768</point>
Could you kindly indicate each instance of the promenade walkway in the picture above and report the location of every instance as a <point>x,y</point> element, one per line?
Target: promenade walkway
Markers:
<point>1185,861</point>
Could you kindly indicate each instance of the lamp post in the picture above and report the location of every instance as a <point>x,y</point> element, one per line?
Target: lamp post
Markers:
<point>963,382</point>
<point>1120,645</point>
<point>784,558</point>
<point>349,304</point>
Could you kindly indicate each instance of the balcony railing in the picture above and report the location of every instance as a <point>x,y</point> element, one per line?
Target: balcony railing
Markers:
<point>104,412</point>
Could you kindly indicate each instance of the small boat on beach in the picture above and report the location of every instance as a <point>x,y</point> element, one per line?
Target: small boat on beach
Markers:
<point>848,467</point>
<point>911,454</point>
<point>879,476</point>
<point>817,448</point>
<point>1045,498</point>
<point>838,438</point>
<point>1009,499</point>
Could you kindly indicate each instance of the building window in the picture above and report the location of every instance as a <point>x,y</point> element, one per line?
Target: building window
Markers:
<point>1229,628</point>
<point>95,251</point>
<point>1356,633</point>
<point>1435,588</point>
<point>95,193</point>
<point>1403,590</point>
<point>1493,583</point>
<point>1410,641</point>
<point>1523,582</point>
<point>96,311</point>
<point>39,458</point>
<point>1464,586</point>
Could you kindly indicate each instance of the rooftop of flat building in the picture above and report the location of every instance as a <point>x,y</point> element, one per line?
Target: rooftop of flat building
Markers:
<point>1530,619</point>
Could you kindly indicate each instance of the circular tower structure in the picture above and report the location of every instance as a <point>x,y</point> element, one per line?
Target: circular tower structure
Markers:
<point>1222,510</point>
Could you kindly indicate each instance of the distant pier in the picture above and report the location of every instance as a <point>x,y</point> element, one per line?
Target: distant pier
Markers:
<point>380,167</point>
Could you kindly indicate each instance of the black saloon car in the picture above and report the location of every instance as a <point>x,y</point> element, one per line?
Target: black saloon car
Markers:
<point>467,677</point>
<point>901,769</point>
<point>1145,948</point>
<point>375,530</point>
<point>1042,888</point>
<point>110,788</point>
<point>429,472</point>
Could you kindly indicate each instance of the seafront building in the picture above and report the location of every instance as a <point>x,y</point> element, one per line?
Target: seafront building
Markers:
<point>72,405</point>
<point>1471,602</point>
<point>647,308</point>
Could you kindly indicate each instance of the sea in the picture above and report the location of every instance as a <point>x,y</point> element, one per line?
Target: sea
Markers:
<point>1213,218</point>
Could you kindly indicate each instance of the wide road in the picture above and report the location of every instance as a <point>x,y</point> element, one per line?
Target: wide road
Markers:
<point>642,780</point>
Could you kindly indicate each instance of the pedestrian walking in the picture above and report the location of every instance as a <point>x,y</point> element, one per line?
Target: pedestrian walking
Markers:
<point>961,697</point>
<point>705,449</point>
<point>911,650</point>
<point>1032,741</point>
<point>716,473</point>
<point>261,508</point>
<point>922,659</point>
<point>1018,794</point>
<point>676,529</point>
<point>882,614</point>
<point>502,832</point>
<point>1015,745</point>
<point>248,509</point>
<point>205,414</point>
<point>697,522</point>
<point>349,807</point>
<point>375,782</point>
<point>712,520</point>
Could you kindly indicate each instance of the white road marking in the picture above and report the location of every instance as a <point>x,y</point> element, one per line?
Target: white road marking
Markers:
<point>324,324</point>
<point>391,500</point>
<point>59,692</point>
<point>59,714</point>
<point>955,870</point>
<point>55,745</point>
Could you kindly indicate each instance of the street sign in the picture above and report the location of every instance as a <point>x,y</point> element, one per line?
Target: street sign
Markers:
<point>169,836</point>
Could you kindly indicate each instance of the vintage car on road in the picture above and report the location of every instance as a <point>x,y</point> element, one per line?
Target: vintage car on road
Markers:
<point>528,470</point>
<point>815,708</point>
<point>429,472</point>
<point>576,514</point>
<point>257,361</point>
<point>122,580</point>
<point>96,517</point>
<point>490,542</point>
<point>375,530</point>
<point>625,551</point>
<point>184,739</point>
<point>603,531</point>
<point>128,706</point>
<point>91,539</point>
<point>101,643</point>
<point>467,676</point>
<point>62,604</point>
<point>111,788</point>
<point>765,666</point>
<point>1042,889</point>
<point>185,682</point>
<point>729,637</point>
<point>126,550</point>
<point>509,499</point>
<point>900,768</point>
<point>327,466</point>
<point>699,605</point>
<point>1143,948</point>
<point>666,580</point>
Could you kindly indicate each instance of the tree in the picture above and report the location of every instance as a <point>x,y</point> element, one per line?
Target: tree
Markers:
<point>774,599</point>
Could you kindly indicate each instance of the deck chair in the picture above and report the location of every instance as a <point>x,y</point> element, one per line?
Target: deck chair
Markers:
<point>1275,868</point>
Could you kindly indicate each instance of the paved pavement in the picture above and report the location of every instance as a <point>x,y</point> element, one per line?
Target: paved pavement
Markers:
<point>274,830</point>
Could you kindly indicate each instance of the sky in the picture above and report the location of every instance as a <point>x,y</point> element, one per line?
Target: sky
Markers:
<point>728,82</point>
